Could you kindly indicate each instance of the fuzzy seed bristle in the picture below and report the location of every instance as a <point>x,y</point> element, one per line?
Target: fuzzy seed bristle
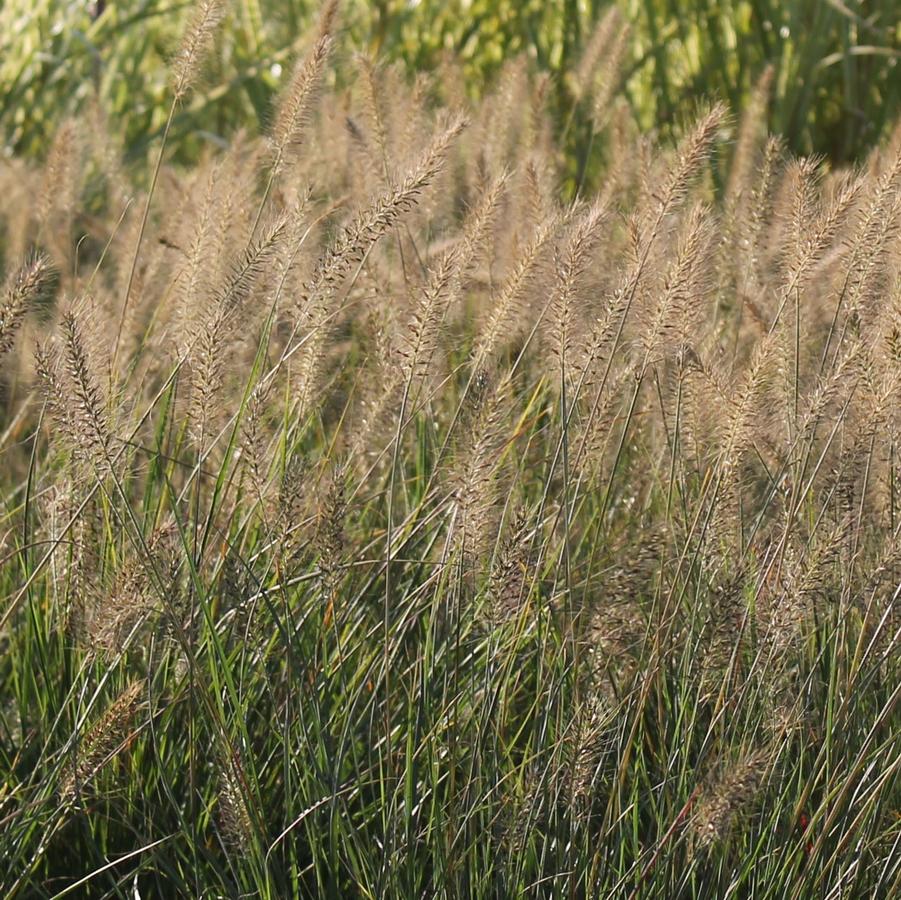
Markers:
<point>23,290</point>
<point>195,45</point>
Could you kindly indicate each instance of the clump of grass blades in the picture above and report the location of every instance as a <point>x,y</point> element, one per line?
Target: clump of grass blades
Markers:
<point>377,524</point>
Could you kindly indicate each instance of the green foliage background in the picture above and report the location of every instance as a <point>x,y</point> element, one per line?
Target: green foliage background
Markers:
<point>837,79</point>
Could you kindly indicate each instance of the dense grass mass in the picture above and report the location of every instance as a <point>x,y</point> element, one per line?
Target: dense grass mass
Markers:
<point>376,524</point>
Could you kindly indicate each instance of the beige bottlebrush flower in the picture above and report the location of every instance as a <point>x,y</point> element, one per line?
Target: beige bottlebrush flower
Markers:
<point>729,798</point>
<point>105,740</point>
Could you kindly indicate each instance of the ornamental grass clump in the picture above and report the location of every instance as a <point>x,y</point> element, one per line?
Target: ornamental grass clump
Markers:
<point>378,522</point>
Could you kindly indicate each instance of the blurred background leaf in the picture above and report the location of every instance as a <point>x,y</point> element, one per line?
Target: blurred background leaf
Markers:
<point>836,75</point>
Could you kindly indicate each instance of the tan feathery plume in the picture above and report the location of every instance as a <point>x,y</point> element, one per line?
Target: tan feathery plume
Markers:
<point>25,287</point>
<point>796,209</point>
<point>379,412</point>
<point>111,623</point>
<point>600,385</point>
<point>743,419</point>
<point>877,225</point>
<point>195,44</point>
<point>443,287</point>
<point>597,343</point>
<point>692,153</point>
<point>194,280</point>
<point>88,408</point>
<point>134,598</point>
<point>586,749</point>
<point>330,538</point>
<point>290,505</point>
<point>477,491</point>
<point>107,151</point>
<point>377,218</point>
<point>59,197</point>
<point>103,742</point>
<point>421,338</point>
<point>253,438</point>
<point>571,265</point>
<point>809,573</point>
<point>409,116</point>
<point>643,230</point>
<point>684,290</point>
<point>370,170</point>
<point>314,308</point>
<point>616,625</point>
<point>508,305</point>
<point>812,232</point>
<point>751,132</point>
<point>752,230</point>
<point>803,177</point>
<point>736,429</point>
<point>253,265</point>
<point>297,102</point>
<point>501,116</point>
<point>234,815</point>
<point>723,632</point>
<point>370,78</point>
<point>538,136</point>
<point>839,381</point>
<point>596,429</point>
<point>477,232</point>
<point>536,195</point>
<point>609,78</point>
<point>508,582</point>
<point>206,355</point>
<point>47,369</point>
<point>747,179</point>
<point>328,18</point>
<point>60,175</point>
<point>79,570</point>
<point>729,798</point>
<point>605,32</point>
